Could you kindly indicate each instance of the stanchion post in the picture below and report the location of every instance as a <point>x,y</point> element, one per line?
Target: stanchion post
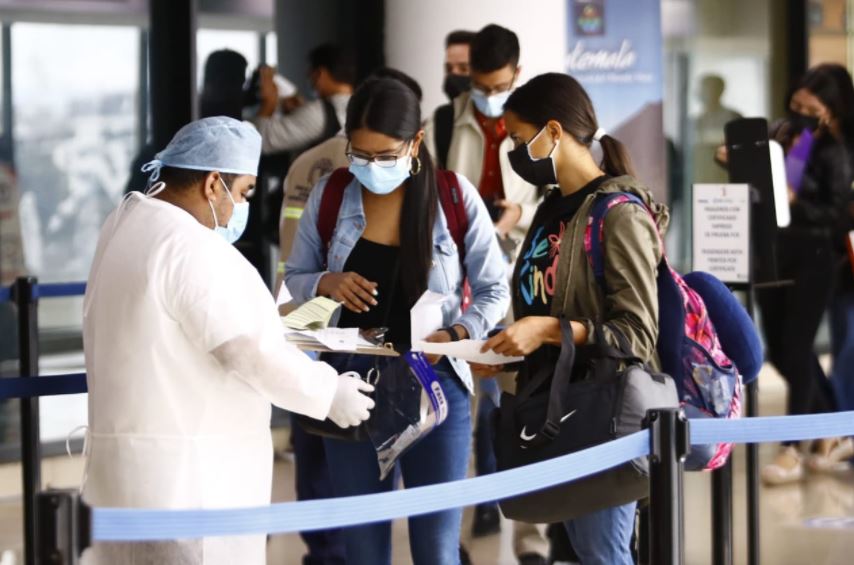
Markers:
<point>752,449</point>
<point>28,358</point>
<point>64,527</point>
<point>669,445</point>
<point>722,546</point>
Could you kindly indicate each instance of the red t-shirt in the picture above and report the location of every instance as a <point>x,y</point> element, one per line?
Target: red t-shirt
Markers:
<point>491,185</point>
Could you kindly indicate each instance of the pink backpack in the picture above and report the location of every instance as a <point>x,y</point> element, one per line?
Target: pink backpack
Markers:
<point>708,382</point>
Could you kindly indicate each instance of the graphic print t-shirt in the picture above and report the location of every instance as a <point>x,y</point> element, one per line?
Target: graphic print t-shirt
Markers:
<point>537,274</point>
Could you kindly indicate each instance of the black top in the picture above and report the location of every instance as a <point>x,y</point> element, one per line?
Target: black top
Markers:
<point>537,264</point>
<point>378,263</point>
<point>536,269</point>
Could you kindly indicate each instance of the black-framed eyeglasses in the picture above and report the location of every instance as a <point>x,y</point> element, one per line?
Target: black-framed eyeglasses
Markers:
<point>385,160</point>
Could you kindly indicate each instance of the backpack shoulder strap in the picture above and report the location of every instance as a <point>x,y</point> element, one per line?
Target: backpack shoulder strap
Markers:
<point>443,121</point>
<point>451,198</point>
<point>330,204</point>
<point>331,125</point>
<point>595,233</point>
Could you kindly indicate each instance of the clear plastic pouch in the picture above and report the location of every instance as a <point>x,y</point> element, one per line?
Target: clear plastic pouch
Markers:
<point>410,403</point>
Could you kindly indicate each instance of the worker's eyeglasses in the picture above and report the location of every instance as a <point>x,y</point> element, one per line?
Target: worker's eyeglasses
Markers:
<point>385,160</point>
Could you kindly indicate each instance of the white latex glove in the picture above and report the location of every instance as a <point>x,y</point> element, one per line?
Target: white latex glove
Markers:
<point>349,406</point>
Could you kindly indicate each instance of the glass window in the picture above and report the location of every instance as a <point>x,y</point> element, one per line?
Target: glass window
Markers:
<point>74,96</point>
<point>210,40</point>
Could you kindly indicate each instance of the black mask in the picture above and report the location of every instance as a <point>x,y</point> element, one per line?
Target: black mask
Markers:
<point>800,122</point>
<point>539,172</point>
<point>455,85</point>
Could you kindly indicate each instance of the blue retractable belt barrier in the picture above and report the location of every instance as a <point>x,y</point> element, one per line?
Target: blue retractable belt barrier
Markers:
<point>60,290</point>
<point>29,387</point>
<point>109,524</point>
<point>772,429</point>
<point>49,290</point>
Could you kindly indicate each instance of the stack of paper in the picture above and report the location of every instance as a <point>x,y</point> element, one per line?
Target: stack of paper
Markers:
<point>313,315</point>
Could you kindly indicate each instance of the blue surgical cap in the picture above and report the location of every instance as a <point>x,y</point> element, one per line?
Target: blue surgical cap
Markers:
<point>217,143</point>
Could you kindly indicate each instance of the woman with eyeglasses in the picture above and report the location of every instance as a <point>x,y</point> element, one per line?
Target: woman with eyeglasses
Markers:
<point>390,244</point>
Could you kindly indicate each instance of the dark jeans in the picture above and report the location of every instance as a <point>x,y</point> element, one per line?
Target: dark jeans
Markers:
<point>325,547</point>
<point>842,337</point>
<point>791,316</point>
<point>441,456</point>
<point>484,452</point>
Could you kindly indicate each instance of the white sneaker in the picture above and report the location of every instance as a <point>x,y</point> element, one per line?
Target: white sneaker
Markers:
<point>787,468</point>
<point>837,459</point>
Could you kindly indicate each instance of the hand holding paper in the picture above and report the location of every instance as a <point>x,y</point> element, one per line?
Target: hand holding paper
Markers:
<point>467,350</point>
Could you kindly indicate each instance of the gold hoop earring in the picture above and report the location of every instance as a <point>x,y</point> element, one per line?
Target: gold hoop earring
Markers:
<point>416,166</point>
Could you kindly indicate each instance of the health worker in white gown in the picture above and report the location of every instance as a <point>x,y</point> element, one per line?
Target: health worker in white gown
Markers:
<point>185,352</point>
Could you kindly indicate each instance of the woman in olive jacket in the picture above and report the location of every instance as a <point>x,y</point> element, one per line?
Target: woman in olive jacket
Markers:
<point>553,124</point>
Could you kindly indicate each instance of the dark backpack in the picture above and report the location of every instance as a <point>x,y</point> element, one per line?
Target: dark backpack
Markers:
<point>443,122</point>
<point>707,342</point>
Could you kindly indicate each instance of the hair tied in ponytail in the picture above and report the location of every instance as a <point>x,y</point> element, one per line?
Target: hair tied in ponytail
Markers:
<point>600,133</point>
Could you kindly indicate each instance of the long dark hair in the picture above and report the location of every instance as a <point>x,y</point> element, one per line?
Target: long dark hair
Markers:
<point>559,97</point>
<point>389,107</point>
<point>831,83</point>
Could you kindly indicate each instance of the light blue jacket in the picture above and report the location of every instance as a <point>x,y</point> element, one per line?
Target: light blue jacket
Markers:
<point>484,265</point>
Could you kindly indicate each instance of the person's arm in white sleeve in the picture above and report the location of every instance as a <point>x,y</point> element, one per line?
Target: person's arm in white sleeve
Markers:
<point>285,132</point>
<point>224,308</point>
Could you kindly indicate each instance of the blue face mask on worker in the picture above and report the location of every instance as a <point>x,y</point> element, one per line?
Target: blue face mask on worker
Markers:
<point>239,218</point>
<point>491,106</point>
<point>381,177</point>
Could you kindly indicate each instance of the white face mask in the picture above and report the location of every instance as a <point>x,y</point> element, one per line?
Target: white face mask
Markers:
<point>237,223</point>
<point>491,106</point>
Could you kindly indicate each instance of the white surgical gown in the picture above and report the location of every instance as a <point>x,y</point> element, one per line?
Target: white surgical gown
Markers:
<point>184,354</point>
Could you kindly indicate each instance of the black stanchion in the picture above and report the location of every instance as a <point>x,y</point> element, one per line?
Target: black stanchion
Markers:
<point>722,546</point>
<point>28,343</point>
<point>64,527</point>
<point>669,444</point>
<point>753,556</point>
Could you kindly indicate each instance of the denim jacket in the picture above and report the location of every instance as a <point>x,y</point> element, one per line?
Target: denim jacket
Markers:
<point>484,265</point>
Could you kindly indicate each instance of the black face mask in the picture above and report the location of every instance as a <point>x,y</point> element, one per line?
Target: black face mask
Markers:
<point>455,85</point>
<point>539,172</point>
<point>800,122</point>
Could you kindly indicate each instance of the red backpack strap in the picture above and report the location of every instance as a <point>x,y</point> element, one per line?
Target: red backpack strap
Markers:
<point>451,198</point>
<point>330,204</point>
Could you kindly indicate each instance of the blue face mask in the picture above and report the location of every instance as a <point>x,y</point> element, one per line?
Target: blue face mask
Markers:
<point>239,218</point>
<point>383,180</point>
<point>491,106</point>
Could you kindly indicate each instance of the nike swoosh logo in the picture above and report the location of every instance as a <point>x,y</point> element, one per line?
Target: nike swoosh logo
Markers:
<point>525,437</point>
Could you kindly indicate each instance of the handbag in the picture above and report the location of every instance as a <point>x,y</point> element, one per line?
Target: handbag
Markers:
<point>554,415</point>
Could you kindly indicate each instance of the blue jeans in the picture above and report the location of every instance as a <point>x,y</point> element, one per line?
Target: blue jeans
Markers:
<point>441,456</point>
<point>603,537</point>
<point>842,341</point>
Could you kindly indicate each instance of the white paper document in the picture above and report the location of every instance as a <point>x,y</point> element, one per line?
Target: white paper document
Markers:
<point>426,315</point>
<point>467,350</point>
<point>284,296</point>
<point>335,339</point>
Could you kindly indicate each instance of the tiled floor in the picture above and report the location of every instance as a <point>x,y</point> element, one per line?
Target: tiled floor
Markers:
<point>786,540</point>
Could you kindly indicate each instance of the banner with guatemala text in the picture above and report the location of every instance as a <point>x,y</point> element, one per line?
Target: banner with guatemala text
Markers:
<point>615,52</point>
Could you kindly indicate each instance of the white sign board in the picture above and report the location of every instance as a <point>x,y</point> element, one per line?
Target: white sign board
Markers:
<point>721,221</point>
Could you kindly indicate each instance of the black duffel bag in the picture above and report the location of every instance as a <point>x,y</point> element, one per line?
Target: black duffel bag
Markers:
<point>554,415</point>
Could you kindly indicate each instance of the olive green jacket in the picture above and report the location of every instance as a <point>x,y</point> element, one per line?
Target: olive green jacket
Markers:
<point>632,253</point>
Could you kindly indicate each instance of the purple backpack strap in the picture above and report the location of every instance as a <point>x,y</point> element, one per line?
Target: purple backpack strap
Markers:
<point>594,236</point>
